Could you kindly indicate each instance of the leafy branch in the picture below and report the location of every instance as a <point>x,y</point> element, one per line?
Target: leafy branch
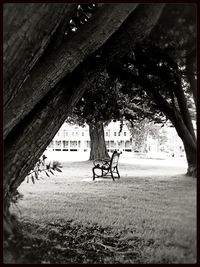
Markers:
<point>42,167</point>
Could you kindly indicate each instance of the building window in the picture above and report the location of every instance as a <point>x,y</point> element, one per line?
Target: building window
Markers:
<point>73,144</point>
<point>115,133</point>
<point>58,143</point>
<point>106,133</point>
<point>76,133</point>
<point>124,133</point>
<point>118,133</point>
<point>65,133</point>
<point>127,144</point>
<point>112,144</point>
<point>82,133</point>
<point>65,144</point>
<point>72,133</point>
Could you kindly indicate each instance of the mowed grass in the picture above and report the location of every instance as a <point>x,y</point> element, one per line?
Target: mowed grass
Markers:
<point>154,202</point>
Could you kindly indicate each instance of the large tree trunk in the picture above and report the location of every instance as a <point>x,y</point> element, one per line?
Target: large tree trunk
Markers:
<point>184,132</point>
<point>97,142</point>
<point>24,147</point>
<point>189,142</point>
<point>35,114</point>
<point>191,155</point>
<point>30,134</point>
<point>28,29</point>
<point>35,110</point>
<point>183,106</point>
<point>57,63</point>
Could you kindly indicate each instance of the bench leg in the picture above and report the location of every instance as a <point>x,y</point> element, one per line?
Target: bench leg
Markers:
<point>112,175</point>
<point>93,173</point>
<point>117,172</point>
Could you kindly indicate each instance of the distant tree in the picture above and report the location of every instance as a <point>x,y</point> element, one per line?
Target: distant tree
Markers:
<point>101,103</point>
<point>140,131</point>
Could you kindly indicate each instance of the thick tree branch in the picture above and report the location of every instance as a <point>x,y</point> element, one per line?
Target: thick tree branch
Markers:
<point>182,102</point>
<point>175,117</point>
<point>58,63</point>
<point>28,29</point>
<point>134,29</point>
<point>29,138</point>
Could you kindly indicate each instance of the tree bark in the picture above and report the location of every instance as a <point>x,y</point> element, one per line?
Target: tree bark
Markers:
<point>182,102</point>
<point>59,62</point>
<point>31,137</point>
<point>28,29</point>
<point>97,139</point>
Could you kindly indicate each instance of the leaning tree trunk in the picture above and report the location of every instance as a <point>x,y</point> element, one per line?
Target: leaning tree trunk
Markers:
<point>36,113</point>
<point>191,155</point>
<point>28,30</point>
<point>57,63</point>
<point>181,125</point>
<point>187,136</point>
<point>97,142</point>
<point>189,142</point>
<point>43,100</point>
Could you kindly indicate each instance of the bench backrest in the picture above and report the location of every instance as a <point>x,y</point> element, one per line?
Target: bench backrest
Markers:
<point>114,159</point>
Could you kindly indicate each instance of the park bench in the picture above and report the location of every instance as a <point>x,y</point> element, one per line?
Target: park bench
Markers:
<point>106,167</point>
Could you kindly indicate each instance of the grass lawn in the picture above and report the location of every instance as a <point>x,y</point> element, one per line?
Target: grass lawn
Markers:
<point>147,216</point>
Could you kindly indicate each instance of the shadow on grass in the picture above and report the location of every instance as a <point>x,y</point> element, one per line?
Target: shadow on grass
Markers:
<point>72,243</point>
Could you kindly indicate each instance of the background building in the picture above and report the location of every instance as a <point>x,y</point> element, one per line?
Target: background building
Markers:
<point>118,140</point>
<point>75,138</point>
